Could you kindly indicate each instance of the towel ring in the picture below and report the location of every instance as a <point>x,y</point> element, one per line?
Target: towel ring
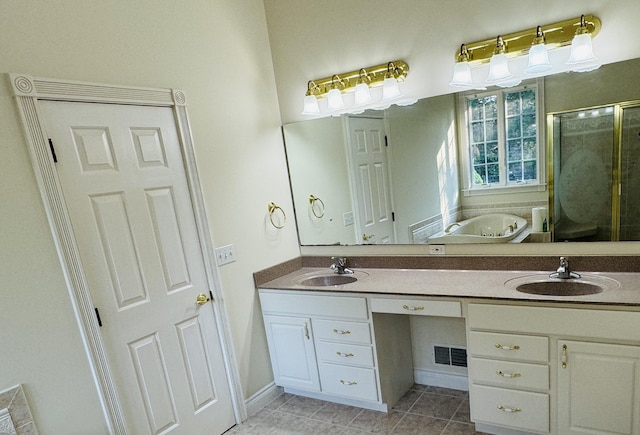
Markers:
<point>272,207</point>
<point>313,200</point>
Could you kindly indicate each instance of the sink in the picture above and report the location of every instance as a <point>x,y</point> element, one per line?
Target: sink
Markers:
<point>560,288</point>
<point>542,285</point>
<point>328,280</point>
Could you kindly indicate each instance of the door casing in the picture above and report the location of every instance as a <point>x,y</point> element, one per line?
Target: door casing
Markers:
<point>28,91</point>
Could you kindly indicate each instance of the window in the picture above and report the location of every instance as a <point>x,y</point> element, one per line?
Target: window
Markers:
<point>502,147</point>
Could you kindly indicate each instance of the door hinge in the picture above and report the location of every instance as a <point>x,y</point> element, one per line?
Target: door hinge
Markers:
<point>53,151</point>
<point>393,216</point>
<point>98,317</point>
<point>211,296</point>
<point>386,141</point>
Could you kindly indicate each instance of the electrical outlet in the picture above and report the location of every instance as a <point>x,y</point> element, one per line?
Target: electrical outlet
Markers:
<point>347,218</point>
<point>436,249</point>
<point>225,254</point>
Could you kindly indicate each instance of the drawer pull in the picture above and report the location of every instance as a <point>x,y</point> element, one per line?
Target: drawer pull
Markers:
<point>508,375</point>
<point>564,356</point>
<point>343,382</point>
<point>514,347</point>
<point>341,332</point>
<point>507,409</point>
<point>418,308</point>
<point>344,355</point>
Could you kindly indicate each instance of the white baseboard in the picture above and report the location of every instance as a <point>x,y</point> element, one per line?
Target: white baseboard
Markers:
<point>262,398</point>
<point>440,379</point>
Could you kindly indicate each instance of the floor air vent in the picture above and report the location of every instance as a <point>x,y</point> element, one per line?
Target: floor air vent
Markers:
<point>450,356</point>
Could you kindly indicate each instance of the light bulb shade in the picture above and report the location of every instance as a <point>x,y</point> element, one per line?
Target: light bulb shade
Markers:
<point>362,94</point>
<point>498,69</point>
<point>334,100</point>
<point>538,60</point>
<point>311,106</point>
<point>390,89</point>
<point>461,75</point>
<point>581,57</point>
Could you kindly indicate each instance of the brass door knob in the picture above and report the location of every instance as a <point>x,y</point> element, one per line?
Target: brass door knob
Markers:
<point>202,299</point>
<point>366,237</point>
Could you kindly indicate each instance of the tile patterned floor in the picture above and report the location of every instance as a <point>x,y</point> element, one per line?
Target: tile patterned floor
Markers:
<point>423,410</point>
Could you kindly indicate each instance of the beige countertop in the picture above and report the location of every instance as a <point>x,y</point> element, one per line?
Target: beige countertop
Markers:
<point>619,288</point>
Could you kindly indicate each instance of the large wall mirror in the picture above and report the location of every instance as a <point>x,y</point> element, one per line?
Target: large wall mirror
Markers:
<point>412,183</point>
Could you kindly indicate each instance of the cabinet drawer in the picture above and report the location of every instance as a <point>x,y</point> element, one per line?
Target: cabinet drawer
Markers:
<point>354,382</point>
<point>343,353</point>
<point>323,305</point>
<point>420,307</point>
<point>509,373</point>
<point>509,346</point>
<point>338,330</point>
<point>515,409</point>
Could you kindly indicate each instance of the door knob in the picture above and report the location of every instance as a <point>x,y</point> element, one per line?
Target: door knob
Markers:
<point>366,237</point>
<point>202,299</point>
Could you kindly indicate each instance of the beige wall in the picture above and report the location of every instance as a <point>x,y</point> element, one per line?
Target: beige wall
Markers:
<point>315,39</point>
<point>218,53</point>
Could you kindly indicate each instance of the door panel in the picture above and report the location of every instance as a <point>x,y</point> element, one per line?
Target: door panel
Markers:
<point>126,191</point>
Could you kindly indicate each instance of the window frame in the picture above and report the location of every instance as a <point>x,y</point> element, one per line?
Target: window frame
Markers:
<point>504,186</point>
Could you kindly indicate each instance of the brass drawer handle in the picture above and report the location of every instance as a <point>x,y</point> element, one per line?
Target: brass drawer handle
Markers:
<point>514,347</point>
<point>343,382</point>
<point>418,308</point>
<point>507,409</point>
<point>344,355</point>
<point>508,375</point>
<point>341,332</point>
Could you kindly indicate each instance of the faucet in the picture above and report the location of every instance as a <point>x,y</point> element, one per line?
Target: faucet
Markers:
<point>563,271</point>
<point>340,266</point>
<point>446,230</point>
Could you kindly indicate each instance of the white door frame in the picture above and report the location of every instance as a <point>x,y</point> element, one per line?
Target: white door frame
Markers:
<point>28,91</point>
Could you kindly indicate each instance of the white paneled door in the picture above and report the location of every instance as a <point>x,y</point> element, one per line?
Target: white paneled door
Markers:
<point>370,175</point>
<point>124,183</point>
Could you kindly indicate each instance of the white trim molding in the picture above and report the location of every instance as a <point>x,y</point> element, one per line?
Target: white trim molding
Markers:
<point>28,91</point>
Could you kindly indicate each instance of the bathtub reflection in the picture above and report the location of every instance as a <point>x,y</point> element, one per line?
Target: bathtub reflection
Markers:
<point>489,228</point>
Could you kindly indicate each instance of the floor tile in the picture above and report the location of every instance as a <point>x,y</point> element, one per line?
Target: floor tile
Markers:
<point>336,414</point>
<point>456,428</point>
<point>376,422</point>
<point>415,424</point>
<point>407,400</point>
<point>302,406</point>
<point>436,405</point>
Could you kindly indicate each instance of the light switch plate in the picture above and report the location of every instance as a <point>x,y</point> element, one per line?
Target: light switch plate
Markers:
<point>347,218</point>
<point>225,254</point>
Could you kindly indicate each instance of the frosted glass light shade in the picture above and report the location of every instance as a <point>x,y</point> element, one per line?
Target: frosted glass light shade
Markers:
<point>362,94</point>
<point>581,57</point>
<point>538,60</point>
<point>311,106</point>
<point>461,75</point>
<point>498,69</point>
<point>334,100</point>
<point>390,89</point>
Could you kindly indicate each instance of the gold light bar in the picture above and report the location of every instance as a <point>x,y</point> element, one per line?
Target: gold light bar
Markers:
<point>346,82</point>
<point>556,35</point>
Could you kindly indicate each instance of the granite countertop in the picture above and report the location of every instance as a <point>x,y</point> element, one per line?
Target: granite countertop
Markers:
<point>619,288</point>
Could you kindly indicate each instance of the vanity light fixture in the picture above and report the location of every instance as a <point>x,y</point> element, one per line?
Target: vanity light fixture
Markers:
<point>582,58</point>
<point>534,43</point>
<point>462,70</point>
<point>356,91</point>
<point>499,73</point>
<point>538,55</point>
<point>311,106</point>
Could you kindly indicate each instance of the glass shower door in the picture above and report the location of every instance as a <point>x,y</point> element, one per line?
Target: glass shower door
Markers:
<point>630,174</point>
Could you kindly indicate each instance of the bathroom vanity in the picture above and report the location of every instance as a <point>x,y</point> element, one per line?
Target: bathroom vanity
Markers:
<point>536,363</point>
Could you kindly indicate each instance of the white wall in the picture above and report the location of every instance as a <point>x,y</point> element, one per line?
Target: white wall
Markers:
<point>218,53</point>
<point>317,157</point>
<point>317,38</point>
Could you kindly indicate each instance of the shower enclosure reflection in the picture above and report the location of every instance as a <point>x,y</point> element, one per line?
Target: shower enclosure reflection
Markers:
<point>595,175</point>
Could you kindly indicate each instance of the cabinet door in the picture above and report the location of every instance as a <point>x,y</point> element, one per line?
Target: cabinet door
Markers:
<point>598,388</point>
<point>293,356</point>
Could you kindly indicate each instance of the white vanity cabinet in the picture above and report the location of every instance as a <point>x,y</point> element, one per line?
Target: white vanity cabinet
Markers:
<point>322,344</point>
<point>598,388</point>
<point>575,371</point>
<point>508,376</point>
